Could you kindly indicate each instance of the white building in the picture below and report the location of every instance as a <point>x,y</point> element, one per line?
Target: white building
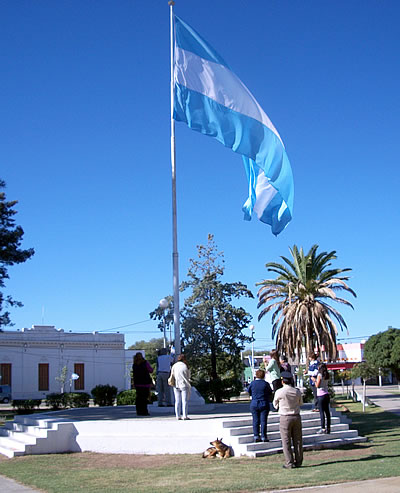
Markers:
<point>32,361</point>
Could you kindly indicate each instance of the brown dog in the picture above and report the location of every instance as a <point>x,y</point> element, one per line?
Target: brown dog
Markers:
<point>218,449</point>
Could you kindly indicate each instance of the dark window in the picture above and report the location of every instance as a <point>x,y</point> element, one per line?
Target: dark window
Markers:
<point>79,369</point>
<point>43,376</point>
<point>5,372</point>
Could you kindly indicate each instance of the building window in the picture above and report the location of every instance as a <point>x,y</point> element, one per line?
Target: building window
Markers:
<point>5,373</point>
<point>43,376</point>
<point>79,369</point>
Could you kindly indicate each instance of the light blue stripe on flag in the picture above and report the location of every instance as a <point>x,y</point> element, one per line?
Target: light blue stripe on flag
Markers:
<point>211,99</point>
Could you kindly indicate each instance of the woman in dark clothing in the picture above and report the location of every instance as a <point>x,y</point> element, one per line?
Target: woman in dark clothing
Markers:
<point>285,365</point>
<point>321,382</point>
<point>261,393</point>
<point>142,383</point>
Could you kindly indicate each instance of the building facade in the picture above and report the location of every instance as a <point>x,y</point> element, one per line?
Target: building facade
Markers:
<point>42,360</point>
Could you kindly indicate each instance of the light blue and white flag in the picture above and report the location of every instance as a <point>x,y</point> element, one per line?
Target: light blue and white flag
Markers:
<point>211,99</point>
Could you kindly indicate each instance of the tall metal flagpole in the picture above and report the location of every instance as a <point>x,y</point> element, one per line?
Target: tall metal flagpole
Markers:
<point>175,264</point>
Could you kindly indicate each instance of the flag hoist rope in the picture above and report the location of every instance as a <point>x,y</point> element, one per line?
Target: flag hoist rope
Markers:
<point>175,263</point>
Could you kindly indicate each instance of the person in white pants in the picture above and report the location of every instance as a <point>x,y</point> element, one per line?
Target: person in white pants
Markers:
<point>182,387</point>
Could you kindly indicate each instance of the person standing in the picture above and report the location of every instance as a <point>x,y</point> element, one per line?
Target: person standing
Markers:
<point>164,362</point>
<point>312,373</point>
<point>284,364</point>
<point>321,383</point>
<point>142,382</point>
<point>261,393</point>
<point>274,370</point>
<point>181,373</point>
<point>288,400</point>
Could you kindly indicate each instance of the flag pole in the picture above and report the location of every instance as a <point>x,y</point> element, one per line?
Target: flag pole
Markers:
<point>175,263</point>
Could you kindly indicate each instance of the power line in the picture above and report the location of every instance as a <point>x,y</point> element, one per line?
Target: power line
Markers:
<point>123,326</point>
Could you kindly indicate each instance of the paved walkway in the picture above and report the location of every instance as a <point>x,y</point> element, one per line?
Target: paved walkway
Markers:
<point>383,485</point>
<point>11,486</point>
<point>387,397</point>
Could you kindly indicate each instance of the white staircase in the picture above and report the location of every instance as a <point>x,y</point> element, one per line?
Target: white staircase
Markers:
<point>241,434</point>
<point>28,435</point>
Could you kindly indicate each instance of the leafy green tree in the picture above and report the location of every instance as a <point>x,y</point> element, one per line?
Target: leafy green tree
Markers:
<point>299,297</point>
<point>383,351</point>
<point>212,327</point>
<point>62,378</point>
<point>150,347</point>
<point>343,376</point>
<point>10,251</point>
<point>365,371</point>
<point>247,352</point>
<point>165,316</point>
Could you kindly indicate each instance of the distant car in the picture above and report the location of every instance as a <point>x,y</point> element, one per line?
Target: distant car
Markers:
<point>5,393</point>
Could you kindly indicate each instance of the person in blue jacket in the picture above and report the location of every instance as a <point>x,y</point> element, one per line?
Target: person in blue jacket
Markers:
<point>260,392</point>
<point>313,373</point>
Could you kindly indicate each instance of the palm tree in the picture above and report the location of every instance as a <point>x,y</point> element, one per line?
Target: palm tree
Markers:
<point>299,297</point>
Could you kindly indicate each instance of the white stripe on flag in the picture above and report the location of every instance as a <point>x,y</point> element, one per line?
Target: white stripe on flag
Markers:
<point>219,84</point>
<point>265,192</point>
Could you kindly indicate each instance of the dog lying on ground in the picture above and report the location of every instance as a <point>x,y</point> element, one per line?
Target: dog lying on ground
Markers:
<point>218,449</point>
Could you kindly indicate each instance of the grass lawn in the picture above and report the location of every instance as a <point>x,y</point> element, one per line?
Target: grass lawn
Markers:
<point>378,457</point>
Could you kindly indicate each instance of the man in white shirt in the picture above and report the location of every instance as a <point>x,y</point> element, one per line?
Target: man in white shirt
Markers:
<point>164,362</point>
<point>288,400</point>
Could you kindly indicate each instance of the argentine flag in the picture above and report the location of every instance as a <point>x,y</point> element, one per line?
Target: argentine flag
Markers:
<point>211,99</point>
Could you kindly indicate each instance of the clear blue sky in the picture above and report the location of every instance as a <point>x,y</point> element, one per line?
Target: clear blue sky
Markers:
<point>84,148</point>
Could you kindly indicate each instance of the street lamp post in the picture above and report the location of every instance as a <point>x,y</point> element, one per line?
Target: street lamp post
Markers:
<point>163,304</point>
<point>252,350</point>
<point>74,376</point>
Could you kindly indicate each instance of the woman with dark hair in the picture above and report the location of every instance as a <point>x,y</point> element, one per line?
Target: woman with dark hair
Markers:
<point>321,382</point>
<point>285,365</point>
<point>261,394</point>
<point>142,382</point>
<point>181,373</point>
<point>274,370</point>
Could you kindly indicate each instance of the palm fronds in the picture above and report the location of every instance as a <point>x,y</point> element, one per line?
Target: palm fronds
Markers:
<point>298,301</point>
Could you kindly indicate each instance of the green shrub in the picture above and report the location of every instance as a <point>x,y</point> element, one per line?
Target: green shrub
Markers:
<point>56,401</point>
<point>25,406</point>
<point>104,395</point>
<point>331,390</point>
<point>78,399</point>
<point>308,395</point>
<point>126,398</point>
<point>219,389</point>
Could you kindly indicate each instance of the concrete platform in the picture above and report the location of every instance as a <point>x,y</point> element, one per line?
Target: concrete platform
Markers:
<point>117,429</point>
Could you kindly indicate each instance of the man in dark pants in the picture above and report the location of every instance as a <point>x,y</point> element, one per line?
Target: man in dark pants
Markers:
<point>288,401</point>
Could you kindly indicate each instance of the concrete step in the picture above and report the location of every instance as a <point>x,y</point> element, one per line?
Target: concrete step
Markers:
<point>307,439</point>
<point>12,428</point>
<point>11,452</point>
<point>28,437</point>
<point>242,440</point>
<point>275,435</point>
<point>274,426</point>
<point>273,418</point>
<point>11,447</point>
<point>332,443</point>
<point>19,440</point>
